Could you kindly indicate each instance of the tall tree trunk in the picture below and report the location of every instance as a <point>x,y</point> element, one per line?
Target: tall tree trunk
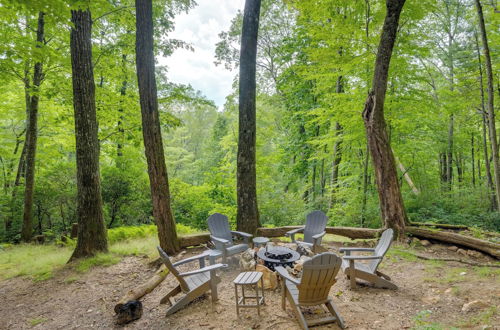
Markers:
<point>391,202</point>
<point>151,130</point>
<point>473,161</point>
<point>365,185</point>
<point>31,137</point>
<point>491,109</point>
<point>123,93</point>
<point>449,153</point>
<point>248,214</point>
<point>92,236</point>
<point>484,116</point>
<point>337,157</point>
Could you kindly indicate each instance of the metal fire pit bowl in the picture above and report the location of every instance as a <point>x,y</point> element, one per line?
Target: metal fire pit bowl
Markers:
<point>278,256</point>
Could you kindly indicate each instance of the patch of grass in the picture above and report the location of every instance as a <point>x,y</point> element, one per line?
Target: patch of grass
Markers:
<point>71,279</point>
<point>483,318</point>
<point>136,247</point>
<point>101,259</point>
<point>35,261</point>
<point>487,271</point>
<point>422,322</point>
<point>37,321</point>
<point>451,275</point>
<point>403,254</point>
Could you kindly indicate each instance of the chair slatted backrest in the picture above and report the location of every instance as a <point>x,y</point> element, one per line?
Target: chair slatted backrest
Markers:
<point>382,247</point>
<point>315,224</point>
<point>172,269</point>
<point>318,276</point>
<point>218,225</point>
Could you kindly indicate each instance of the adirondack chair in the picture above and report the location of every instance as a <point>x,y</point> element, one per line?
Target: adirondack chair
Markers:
<point>318,276</point>
<point>193,284</point>
<point>314,230</point>
<point>368,272</point>
<point>222,236</point>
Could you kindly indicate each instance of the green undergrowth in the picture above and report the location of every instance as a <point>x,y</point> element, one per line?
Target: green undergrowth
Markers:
<point>40,262</point>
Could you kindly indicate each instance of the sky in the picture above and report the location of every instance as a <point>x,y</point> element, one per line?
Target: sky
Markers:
<point>201,27</point>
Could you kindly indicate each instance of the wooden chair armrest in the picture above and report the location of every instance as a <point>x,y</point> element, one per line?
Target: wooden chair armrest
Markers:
<point>355,249</point>
<point>220,240</point>
<point>284,273</point>
<point>294,231</point>
<point>242,234</point>
<point>318,236</point>
<point>204,269</point>
<point>361,257</point>
<point>190,259</point>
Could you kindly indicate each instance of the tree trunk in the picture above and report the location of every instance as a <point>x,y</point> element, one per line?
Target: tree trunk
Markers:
<point>91,230</point>
<point>151,130</point>
<point>248,214</point>
<point>31,138</point>
<point>365,186</point>
<point>473,161</point>
<point>487,164</point>
<point>123,93</point>
<point>391,202</point>
<point>491,110</point>
<point>449,153</point>
<point>337,157</point>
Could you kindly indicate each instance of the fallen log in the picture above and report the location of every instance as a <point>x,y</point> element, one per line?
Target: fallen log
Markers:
<point>351,232</point>
<point>193,240</point>
<point>439,225</point>
<point>490,248</point>
<point>144,288</point>
<point>472,263</point>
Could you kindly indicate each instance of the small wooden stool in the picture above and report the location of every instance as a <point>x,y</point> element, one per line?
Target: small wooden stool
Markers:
<point>258,241</point>
<point>249,279</point>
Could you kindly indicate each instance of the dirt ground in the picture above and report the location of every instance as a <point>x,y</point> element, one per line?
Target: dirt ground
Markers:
<point>431,295</point>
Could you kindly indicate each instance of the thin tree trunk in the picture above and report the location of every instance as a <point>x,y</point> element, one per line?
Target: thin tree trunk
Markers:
<point>92,236</point>
<point>449,154</point>
<point>491,110</point>
<point>31,137</point>
<point>151,130</point>
<point>484,116</point>
<point>248,214</point>
<point>337,152</point>
<point>365,186</point>
<point>473,161</point>
<point>391,202</point>
<point>123,93</point>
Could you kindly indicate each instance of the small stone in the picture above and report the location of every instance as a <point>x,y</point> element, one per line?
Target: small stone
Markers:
<point>474,254</point>
<point>462,252</point>
<point>448,291</point>
<point>453,248</point>
<point>474,305</point>
<point>425,243</point>
<point>463,273</point>
<point>431,300</point>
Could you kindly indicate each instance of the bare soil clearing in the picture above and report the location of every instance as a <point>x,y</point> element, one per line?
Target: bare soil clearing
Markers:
<point>430,293</point>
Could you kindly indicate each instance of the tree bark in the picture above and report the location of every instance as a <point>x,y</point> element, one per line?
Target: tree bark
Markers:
<point>151,130</point>
<point>247,218</point>
<point>31,137</point>
<point>490,104</point>
<point>391,202</point>
<point>123,93</point>
<point>91,230</point>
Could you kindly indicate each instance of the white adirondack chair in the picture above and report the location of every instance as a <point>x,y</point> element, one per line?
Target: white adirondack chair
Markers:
<point>222,236</point>
<point>318,276</point>
<point>193,284</point>
<point>314,230</point>
<point>368,272</point>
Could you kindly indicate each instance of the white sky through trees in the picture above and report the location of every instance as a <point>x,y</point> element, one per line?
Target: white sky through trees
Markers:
<point>200,27</point>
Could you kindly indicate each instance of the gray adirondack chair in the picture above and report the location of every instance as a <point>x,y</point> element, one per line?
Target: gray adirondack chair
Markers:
<point>318,276</point>
<point>222,236</point>
<point>193,284</point>
<point>314,230</point>
<point>368,271</point>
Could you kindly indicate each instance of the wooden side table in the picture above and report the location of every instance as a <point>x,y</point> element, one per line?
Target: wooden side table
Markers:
<point>258,241</point>
<point>249,279</point>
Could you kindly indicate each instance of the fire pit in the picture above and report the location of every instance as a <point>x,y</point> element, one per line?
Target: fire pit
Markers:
<point>278,256</point>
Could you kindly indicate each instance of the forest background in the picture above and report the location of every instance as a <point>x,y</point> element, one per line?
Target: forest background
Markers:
<point>314,68</point>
